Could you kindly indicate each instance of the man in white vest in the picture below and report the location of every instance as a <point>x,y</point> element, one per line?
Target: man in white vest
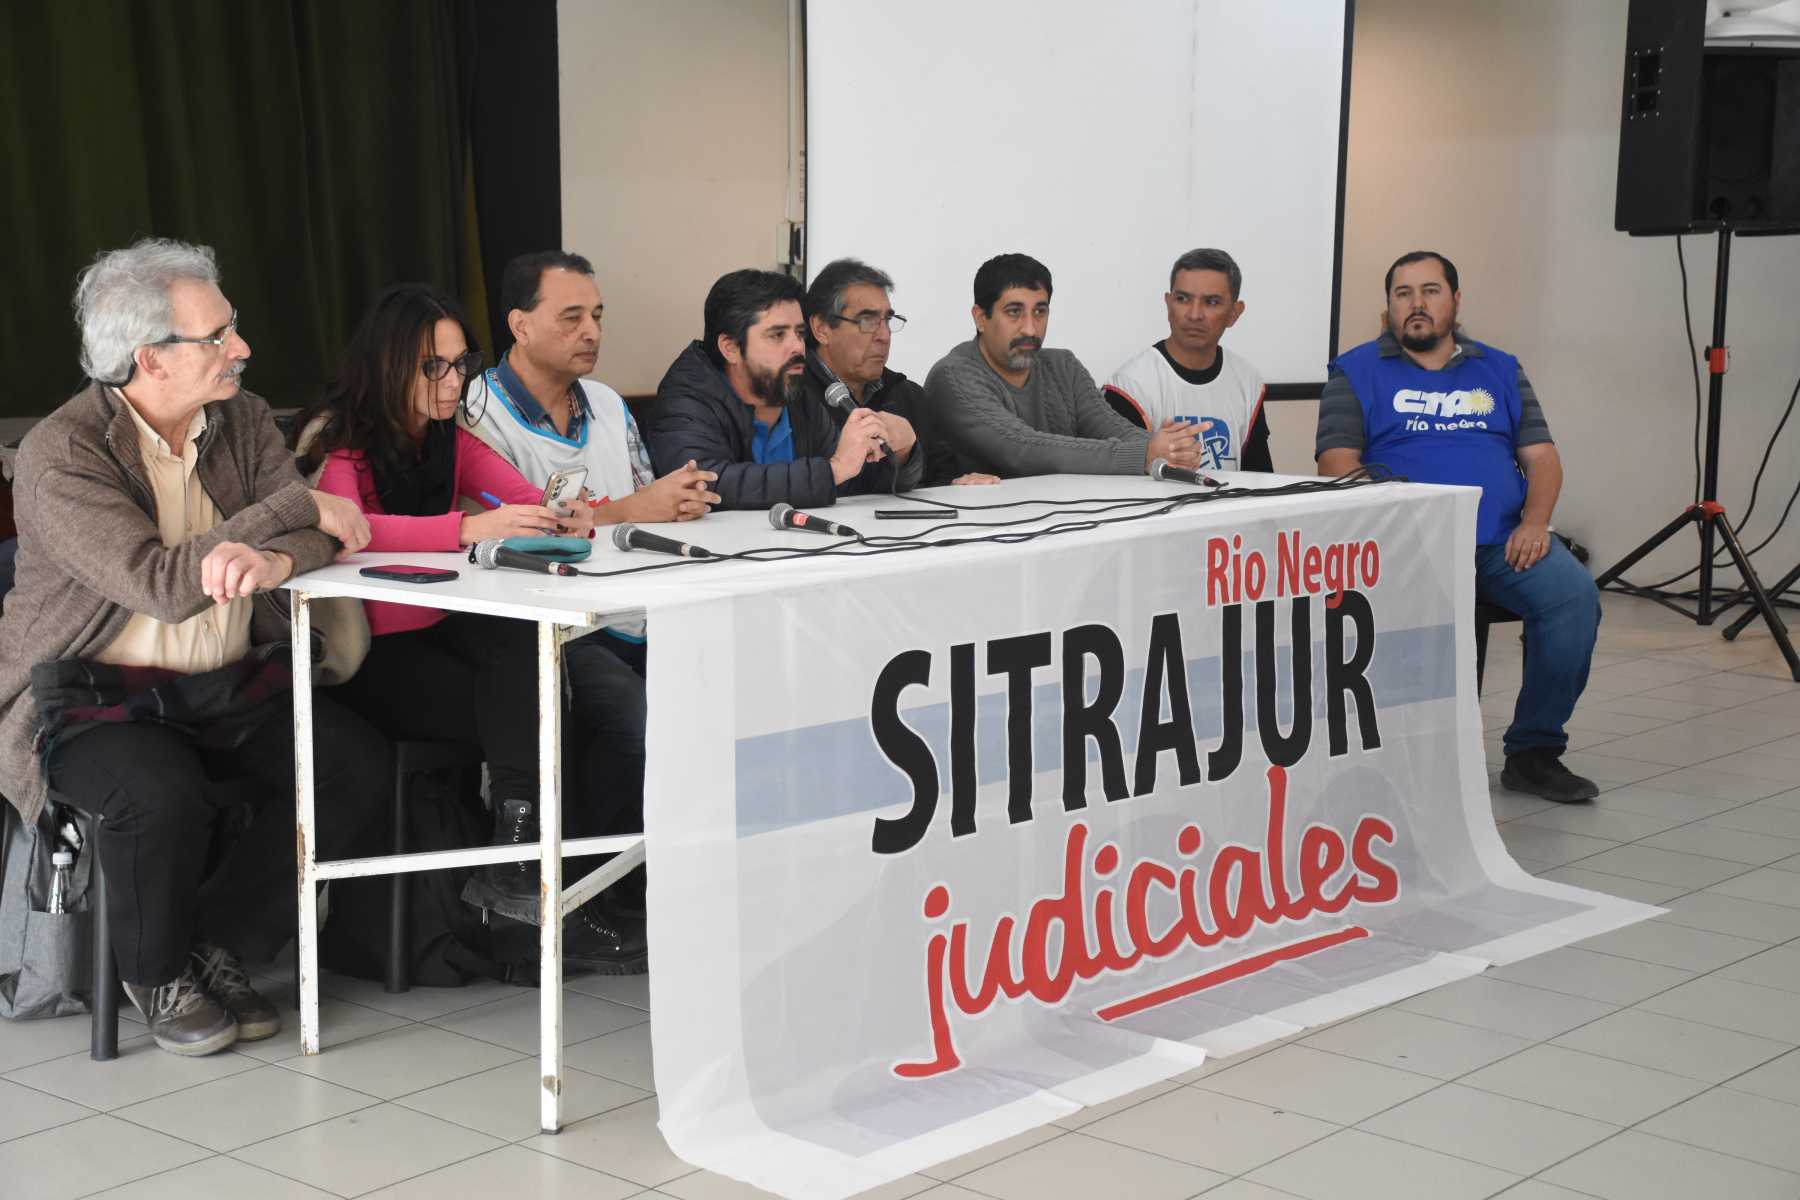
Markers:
<point>1189,377</point>
<point>536,409</point>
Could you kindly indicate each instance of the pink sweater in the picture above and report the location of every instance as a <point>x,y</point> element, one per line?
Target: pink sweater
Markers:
<point>478,469</point>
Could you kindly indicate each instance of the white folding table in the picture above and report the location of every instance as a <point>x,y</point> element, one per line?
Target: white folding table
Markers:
<point>566,608</point>
<point>494,593</point>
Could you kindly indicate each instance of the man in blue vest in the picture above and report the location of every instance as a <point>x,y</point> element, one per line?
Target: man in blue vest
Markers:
<point>1436,407</point>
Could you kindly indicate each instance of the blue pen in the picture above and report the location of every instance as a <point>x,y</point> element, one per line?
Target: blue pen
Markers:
<point>491,500</point>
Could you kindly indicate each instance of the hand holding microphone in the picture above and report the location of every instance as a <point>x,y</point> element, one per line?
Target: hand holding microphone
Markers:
<point>1176,441</point>
<point>859,442</point>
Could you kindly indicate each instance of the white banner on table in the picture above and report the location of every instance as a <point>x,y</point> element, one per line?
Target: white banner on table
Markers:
<point>942,853</point>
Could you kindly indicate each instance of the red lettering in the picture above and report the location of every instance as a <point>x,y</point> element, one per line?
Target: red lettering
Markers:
<point>1241,889</point>
<point>1256,575</point>
<point>1137,910</point>
<point>1382,882</point>
<point>996,980</point>
<point>944,1057</point>
<point>1217,589</point>
<point>1287,563</point>
<point>1321,858</point>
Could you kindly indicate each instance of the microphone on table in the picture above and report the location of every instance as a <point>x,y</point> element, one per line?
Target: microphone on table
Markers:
<point>786,516</point>
<point>837,394</point>
<point>627,536</point>
<point>493,553</point>
<point>1164,470</point>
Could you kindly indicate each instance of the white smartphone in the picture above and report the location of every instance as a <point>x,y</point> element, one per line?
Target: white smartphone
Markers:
<point>564,488</point>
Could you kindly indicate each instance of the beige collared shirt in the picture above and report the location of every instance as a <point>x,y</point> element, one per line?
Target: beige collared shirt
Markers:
<point>217,636</point>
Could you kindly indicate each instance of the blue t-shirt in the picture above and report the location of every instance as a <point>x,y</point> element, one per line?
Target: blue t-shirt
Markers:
<point>1458,425</point>
<point>772,443</point>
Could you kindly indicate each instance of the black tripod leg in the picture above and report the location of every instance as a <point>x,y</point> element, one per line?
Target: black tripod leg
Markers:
<point>1763,604</point>
<point>1656,539</point>
<point>1781,585</point>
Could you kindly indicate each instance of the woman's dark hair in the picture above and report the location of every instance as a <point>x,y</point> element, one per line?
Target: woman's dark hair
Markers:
<point>366,401</point>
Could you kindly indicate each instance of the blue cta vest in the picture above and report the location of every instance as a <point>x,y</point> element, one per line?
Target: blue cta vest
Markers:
<point>1459,425</point>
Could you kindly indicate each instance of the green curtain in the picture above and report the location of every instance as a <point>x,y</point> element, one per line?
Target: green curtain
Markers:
<point>319,146</point>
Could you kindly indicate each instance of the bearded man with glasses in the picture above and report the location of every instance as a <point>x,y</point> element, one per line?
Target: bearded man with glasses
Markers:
<point>143,662</point>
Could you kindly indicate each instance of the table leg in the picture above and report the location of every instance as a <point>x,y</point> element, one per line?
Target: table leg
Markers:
<point>550,992</point>
<point>305,844</point>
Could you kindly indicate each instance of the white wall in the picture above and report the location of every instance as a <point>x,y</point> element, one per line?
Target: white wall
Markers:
<point>1104,148</point>
<point>674,161</point>
<point>1489,132</point>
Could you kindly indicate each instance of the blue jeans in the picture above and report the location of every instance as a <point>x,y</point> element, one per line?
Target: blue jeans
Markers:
<point>1561,609</point>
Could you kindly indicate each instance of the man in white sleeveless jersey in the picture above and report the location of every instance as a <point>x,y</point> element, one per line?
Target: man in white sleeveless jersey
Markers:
<point>1189,377</point>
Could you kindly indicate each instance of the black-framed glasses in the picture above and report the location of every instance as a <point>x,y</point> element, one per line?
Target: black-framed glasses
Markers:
<point>869,322</point>
<point>217,337</point>
<point>436,368</point>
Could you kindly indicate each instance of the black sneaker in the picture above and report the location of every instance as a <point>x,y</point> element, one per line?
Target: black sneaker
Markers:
<point>184,1019</point>
<point>510,889</point>
<point>1540,772</point>
<point>595,939</point>
<point>224,978</point>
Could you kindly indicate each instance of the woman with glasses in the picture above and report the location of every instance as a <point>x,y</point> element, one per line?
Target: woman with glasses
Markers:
<point>386,435</point>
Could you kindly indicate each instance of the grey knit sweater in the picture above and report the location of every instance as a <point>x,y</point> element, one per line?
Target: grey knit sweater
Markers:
<point>90,553</point>
<point>1058,423</point>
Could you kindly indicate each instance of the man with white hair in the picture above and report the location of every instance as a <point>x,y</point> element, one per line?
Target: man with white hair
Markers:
<point>143,666</point>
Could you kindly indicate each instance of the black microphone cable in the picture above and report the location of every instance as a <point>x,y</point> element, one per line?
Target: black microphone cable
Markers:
<point>1094,518</point>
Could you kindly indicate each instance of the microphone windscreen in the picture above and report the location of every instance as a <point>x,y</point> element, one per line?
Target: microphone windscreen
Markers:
<point>779,512</point>
<point>838,395</point>
<point>485,552</point>
<point>622,535</point>
<point>1157,467</point>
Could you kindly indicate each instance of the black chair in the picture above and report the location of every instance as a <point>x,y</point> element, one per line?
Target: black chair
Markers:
<point>1485,615</point>
<point>103,1031</point>
<point>412,759</point>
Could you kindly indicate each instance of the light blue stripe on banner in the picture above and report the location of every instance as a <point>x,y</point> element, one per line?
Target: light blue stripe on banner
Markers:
<point>799,776</point>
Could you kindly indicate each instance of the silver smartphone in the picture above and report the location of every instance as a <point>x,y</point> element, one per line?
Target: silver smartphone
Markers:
<point>564,488</point>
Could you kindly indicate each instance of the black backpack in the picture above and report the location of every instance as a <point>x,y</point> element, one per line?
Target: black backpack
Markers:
<point>450,943</point>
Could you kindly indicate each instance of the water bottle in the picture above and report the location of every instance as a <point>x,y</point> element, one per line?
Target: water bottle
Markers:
<point>62,864</point>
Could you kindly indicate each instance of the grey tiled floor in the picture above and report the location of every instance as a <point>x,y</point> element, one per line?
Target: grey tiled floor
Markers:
<point>1661,1060</point>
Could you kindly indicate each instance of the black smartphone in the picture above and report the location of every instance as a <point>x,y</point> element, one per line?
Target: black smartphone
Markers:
<point>916,514</point>
<point>402,573</point>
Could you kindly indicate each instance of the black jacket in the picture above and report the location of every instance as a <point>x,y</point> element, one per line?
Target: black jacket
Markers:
<point>698,416</point>
<point>898,395</point>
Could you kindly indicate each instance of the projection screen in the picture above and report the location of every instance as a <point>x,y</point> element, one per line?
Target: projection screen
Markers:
<point>1103,140</point>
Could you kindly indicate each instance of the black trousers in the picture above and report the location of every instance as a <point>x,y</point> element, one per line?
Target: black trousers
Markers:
<point>605,744</point>
<point>198,844</point>
<point>468,678</point>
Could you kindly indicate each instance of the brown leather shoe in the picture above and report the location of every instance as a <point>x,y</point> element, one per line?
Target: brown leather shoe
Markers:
<point>183,1018</point>
<point>224,978</point>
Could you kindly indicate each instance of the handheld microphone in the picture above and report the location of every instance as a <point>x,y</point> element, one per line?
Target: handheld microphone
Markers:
<point>629,537</point>
<point>837,394</point>
<point>1162,469</point>
<point>786,516</point>
<point>492,553</point>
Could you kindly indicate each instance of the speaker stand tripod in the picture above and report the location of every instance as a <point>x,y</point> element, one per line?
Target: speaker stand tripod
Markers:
<point>1709,514</point>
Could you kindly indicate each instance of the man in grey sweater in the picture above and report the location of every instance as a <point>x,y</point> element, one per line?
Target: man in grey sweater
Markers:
<point>1002,403</point>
